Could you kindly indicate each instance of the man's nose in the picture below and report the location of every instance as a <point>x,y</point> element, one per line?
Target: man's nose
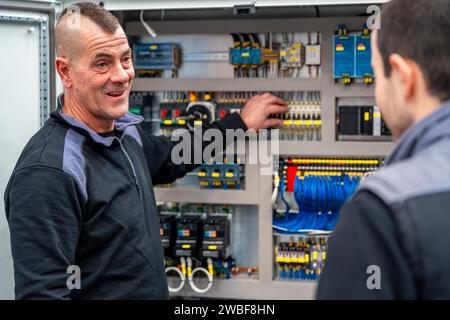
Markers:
<point>120,75</point>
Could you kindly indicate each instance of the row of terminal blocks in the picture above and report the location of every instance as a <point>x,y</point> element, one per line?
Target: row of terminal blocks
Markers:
<point>300,258</point>
<point>185,110</point>
<point>221,175</point>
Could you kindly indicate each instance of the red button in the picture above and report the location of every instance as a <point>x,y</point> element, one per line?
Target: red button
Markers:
<point>163,113</point>
<point>177,112</point>
<point>222,113</point>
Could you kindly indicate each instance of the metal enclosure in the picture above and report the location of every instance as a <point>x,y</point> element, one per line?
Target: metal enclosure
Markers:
<point>209,23</point>
<point>202,32</point>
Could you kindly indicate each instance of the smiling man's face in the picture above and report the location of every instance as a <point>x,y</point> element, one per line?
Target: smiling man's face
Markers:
<point>102,72</point>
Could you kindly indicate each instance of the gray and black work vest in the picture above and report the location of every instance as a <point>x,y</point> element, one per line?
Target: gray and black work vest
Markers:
<point>415,184</point>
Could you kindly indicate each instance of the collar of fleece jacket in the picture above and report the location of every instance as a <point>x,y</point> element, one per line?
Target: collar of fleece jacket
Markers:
<point>121,124</point>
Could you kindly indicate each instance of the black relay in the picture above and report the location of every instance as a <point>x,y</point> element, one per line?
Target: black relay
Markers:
<point>189,236</point>
<point>216,237</point>
<point>168,233</point>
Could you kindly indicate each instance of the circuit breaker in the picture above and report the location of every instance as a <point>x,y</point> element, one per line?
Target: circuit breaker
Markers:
<point>313,55</point>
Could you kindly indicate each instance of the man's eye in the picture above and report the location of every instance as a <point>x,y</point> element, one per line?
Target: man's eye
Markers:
<point>127,59</point>
<point>101,65</point>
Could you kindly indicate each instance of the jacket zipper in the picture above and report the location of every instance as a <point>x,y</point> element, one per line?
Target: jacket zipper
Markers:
<point>130,162</point>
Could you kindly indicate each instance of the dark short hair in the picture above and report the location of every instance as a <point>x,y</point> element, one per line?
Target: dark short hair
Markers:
<point>419,30</point>
<point>97,14</point>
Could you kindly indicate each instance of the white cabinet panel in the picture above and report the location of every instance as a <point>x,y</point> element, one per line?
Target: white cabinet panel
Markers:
<point>20,115</point>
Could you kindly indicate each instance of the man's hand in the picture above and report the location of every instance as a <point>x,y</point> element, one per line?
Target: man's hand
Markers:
<point>258,109</point>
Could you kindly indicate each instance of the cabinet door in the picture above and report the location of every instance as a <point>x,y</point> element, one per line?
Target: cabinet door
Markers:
<point>23,106</point>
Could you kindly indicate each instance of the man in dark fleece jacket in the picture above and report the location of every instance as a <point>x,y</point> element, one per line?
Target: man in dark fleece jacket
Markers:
<point>81,194</point>
<point>391,241</point>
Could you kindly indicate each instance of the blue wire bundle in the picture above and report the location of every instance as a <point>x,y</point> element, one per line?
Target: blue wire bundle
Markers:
<point>319,199</point>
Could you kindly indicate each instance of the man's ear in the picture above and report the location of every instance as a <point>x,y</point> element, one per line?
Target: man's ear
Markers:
<point>402,73</point>
<point>63,69</point>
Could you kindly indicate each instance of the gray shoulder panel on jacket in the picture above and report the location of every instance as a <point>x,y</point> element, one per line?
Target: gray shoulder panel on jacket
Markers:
<point>425,173</point>
<point>73,159</point>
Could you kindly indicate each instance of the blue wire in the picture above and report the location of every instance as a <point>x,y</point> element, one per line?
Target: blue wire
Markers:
<point>321,215</point>
<point>317,194</point>
<point>308,200</point>
<point>292,220</point>
<point>331,218</point>
<point>282,189</point>
<point>315,200</point>
<point>300,190</point>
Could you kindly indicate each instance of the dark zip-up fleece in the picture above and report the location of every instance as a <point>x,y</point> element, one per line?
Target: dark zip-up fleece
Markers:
<point>78,198</point>
<point>396,228</point>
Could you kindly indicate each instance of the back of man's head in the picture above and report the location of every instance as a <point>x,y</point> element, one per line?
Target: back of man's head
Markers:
<point>419,30</point>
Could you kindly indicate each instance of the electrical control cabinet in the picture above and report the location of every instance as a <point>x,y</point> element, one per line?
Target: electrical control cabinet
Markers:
<point>226,223</point>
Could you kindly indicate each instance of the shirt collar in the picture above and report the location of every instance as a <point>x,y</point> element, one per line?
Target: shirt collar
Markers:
<point>120,124</point>
<point>426,132</point>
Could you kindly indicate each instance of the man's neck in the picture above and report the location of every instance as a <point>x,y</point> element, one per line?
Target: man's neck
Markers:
<point>426,106</point>
<point>80,113</point>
